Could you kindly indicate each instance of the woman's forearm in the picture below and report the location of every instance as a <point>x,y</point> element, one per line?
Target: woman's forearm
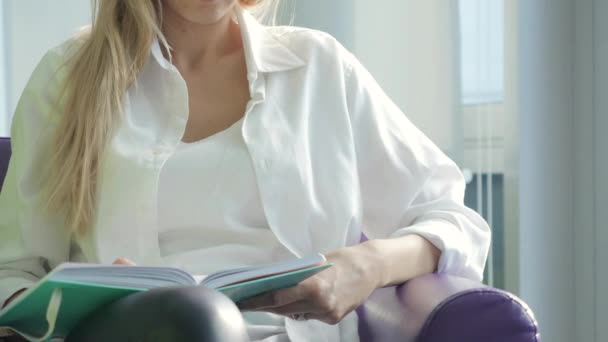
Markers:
<point>401,259</point>
<point>358,270</point>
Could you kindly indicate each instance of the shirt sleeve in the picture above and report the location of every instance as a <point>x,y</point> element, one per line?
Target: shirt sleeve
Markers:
<point>407,184</point>
<point>31,242</point>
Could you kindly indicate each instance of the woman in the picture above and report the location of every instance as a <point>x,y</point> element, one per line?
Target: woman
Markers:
<point>184,133</point>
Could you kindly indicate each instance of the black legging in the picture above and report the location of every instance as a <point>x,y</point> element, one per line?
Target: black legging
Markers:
<point>175,314</point>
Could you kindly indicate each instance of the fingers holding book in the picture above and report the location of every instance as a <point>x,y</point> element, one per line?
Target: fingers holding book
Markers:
<point>328,296</point>
<point>123,261</point>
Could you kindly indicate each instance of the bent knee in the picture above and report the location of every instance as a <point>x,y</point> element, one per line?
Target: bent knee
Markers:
<point>202,314</point>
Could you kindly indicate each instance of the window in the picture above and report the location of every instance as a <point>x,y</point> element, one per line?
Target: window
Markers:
<point>482,51</point>
<point>484,114</point>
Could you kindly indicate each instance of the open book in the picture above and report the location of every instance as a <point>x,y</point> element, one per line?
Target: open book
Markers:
<point>73,291</point>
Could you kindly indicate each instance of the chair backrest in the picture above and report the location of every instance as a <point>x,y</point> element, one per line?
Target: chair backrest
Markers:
<point>5,156</point>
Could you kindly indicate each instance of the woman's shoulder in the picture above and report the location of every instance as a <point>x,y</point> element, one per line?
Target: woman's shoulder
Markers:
<point>295,35</point>
<point>52,67</point>
<point>310,45</point>
<point>48,78</point>
<point>58,56</point>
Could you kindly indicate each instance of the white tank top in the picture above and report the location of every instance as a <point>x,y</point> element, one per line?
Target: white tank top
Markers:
<point>211,216</point>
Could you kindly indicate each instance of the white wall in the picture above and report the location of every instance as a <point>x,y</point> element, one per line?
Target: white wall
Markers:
<point>584,213</point>
<point>591,168</point>
<point>600,156</point>
<point>410,48</point>
<point>31,27</point>
<point>321,15</point>
<point>546,96</point>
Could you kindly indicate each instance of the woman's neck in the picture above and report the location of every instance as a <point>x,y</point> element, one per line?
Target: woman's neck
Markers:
<point>197,45</point>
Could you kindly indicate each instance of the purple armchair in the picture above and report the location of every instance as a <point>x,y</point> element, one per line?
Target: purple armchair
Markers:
<point>431,308</point>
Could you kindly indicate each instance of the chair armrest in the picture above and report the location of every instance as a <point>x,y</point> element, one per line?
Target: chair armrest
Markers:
<point>438,307</point>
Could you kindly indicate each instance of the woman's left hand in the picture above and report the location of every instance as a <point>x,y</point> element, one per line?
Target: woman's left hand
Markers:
<point>329,295</point>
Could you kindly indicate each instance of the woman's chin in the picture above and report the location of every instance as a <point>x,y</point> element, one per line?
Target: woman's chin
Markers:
<point>210,2</point>
<point>200,12</point>
<point>208,12</point>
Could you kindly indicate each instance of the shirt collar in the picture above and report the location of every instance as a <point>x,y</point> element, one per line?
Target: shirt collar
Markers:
<point>263,51</point>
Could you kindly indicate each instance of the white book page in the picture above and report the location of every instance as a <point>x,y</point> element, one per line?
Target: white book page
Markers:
<point>123,275</point>
<point>199,278</point>
<point>224,278</point>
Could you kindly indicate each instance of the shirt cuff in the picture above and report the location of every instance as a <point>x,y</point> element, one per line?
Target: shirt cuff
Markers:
<point>454,244</point>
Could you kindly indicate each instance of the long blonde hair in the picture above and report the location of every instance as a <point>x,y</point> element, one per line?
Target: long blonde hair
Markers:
<point>112,54</point>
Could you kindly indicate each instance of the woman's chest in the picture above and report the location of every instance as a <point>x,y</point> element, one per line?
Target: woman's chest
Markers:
<point>301,154</point>
<point>216,100</point>
<point>210,184</point>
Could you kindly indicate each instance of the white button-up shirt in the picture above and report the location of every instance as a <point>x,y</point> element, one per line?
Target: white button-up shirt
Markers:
<point>334,157</point>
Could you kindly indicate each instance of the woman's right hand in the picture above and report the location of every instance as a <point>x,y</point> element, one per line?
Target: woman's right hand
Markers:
<point>123,261</point>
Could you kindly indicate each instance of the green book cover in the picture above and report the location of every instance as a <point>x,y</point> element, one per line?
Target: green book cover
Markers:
<point>75,299</point>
